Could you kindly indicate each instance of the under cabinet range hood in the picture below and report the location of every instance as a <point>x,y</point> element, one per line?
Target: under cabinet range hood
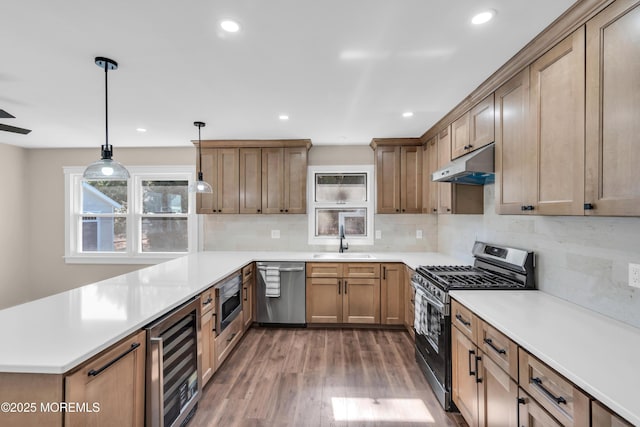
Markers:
<point>476,168</point>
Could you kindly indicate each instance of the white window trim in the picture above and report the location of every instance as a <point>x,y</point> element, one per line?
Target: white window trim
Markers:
<point>312,204</point>
<point>72,177</point>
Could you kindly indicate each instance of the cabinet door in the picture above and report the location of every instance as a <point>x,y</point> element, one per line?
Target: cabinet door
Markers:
<point>426,178</point>
<point>295,180</point>
<point>361,301</point>
<point>434,187</point>
<point>272,180</point>
<point>460,136</point>
<point>557,108</point>
<point>248,285</point>
<point>227,340</point>
<point>208,203</point>
<point>388,179</point>
<point>116,381</point>
<point>603,417</point>
<point>463,380</point>
<point>497,396</point>
<point>250,180</point>
<point>392,286</point>
<point>411,179</point>
<point>228,184</point>
<point>444,158</point>
<point>613,108</point>
<point>515,156</point>
<point>207,335</point>
<point>481,124</point>
<point>324,300</point>
<point>530,414</point>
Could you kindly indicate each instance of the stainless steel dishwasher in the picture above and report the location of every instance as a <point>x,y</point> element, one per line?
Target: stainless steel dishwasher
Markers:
<point>289,308</point>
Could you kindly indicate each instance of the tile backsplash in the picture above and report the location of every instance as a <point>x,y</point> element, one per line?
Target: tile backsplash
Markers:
<point>580,259</point>
<point>253,232</point>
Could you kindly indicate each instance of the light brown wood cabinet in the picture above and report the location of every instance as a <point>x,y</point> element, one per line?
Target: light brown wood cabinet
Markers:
<point>226,341</point>
<point>343,293</point>
<point>531,414</point>
<point>497,395</point>
<point>612,111</point>
<point>220,168</point>
<point>115,380</point>
<point>444,158</point>
<point>207,334</point>
<point>409,298</point>
<point>284,180</point>
<point>474,129</point>
<point>464,389</point>
<point>399,168</point>
<point>392,287</point>
<point>250,180</point>
<point>603,417</point>
<point>248,291</point>
<point>557,97</point>
<point>514,150</point>
<point>431,149</point>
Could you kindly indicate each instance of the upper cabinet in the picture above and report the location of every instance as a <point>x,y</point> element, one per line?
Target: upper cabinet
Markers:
<point>514,153</point>
<point>220,169</point>
<point>284,180</point>
<point>557,97</point>
<point>444,157</point>
<point>474,129</point>
<point>252,177</point>
<point>612,111</point>
<point>431,195</point>
<point>399,164</point>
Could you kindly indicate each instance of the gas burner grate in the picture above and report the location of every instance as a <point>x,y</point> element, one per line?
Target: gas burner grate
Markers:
<point>466,276</point>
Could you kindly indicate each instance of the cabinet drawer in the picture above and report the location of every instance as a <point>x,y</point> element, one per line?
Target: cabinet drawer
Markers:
<point>603,417</point>
<point>226,341</point>
<point>324,269</point>
<point>498,348</point>
<point>530,414</point>
<point>464,320</point>
<point>207,300</point>
<point>361,270</point>
<point>247,272</point>
<point>553,392</point>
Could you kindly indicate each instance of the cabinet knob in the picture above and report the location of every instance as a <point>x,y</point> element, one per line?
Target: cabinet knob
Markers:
<point>258,210</point>
<point>588,206</point>
<point>402,210</point>
<point>448,209</point>
<point>435,210</point>
<point>397,210</point>
<point>286,210</point>
<point>280,210</point>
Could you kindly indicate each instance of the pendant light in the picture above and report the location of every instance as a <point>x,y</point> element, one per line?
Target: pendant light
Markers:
<point>106,167</point>
<point>200,186</point>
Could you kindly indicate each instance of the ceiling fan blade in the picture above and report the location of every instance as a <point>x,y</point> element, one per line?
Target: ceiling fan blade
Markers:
<point>14,129</point>
<point>5,115</point>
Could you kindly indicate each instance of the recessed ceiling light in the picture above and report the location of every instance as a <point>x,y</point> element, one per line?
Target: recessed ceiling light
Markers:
<point>230,26</point>
<point>407,114</point>
<point>141,130</point>
<point>483,17</point>
<point>283,117</point>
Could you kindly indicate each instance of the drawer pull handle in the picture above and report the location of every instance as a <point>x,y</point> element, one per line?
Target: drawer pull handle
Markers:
<point>471,353</point>
<point>207,301</point>
<point>461,319</point>
<point>478,379</point>
<point>490,343</point>
<point>345,287</point>
<point>95,373</point>
<point>233,335</point>
<point>537,381</point>
<point>246,293</point>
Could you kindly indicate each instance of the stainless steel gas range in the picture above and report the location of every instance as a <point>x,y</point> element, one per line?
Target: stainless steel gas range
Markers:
<point>495,267</point>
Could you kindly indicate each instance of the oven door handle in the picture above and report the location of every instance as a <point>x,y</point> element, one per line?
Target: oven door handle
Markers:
<point>439,305</point>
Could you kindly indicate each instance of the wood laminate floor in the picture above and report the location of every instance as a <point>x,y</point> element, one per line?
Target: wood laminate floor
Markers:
<point>321,377</point>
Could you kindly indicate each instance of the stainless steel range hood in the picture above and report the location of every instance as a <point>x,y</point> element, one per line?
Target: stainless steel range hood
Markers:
<point>476,168</point>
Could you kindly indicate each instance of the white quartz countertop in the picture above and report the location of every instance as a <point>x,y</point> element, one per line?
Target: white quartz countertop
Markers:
<point>52,335</point>
<point>598,354</point>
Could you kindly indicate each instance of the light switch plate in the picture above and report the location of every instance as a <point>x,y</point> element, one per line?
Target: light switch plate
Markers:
<point>275,234</point>
<point>378,234</point>
<point>418,234</point>
<point>634,275</point>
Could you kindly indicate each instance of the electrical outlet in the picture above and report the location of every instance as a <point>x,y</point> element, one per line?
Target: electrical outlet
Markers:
<point>418,234</point>
<point>275,234</point>
<point>634,275</point>
<point>378,234</point>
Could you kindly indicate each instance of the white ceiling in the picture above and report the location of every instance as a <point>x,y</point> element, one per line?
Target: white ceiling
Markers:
<point>343,70</point>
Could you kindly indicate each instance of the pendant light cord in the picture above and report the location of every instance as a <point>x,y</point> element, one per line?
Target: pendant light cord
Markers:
<point>199,150</point>
<point>106,106</point>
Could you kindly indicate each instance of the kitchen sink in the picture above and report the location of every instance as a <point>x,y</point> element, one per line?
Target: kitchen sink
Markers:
<point>337,255</point>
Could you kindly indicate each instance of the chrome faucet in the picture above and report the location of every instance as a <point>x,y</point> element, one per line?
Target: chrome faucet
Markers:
<point>343,245</point>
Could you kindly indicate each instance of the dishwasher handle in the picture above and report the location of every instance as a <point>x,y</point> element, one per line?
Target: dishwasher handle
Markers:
<point>284,269</point>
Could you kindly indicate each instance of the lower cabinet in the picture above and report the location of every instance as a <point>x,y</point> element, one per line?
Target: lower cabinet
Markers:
<point>343,293</point>
<point>207,339</point>
<point>602,417</point>
<point>248,291</point>
<point>227,339</point>
<point>392,289</point>
<point>464,388</point>
<point>115,380</point>
<point>531,413</point>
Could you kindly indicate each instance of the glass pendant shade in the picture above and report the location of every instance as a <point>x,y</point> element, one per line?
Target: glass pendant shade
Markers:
<point>106,168</point>
<point>200,186</point>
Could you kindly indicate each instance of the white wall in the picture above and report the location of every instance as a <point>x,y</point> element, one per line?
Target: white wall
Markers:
<point>580,259</point>
<point>14,227</point>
